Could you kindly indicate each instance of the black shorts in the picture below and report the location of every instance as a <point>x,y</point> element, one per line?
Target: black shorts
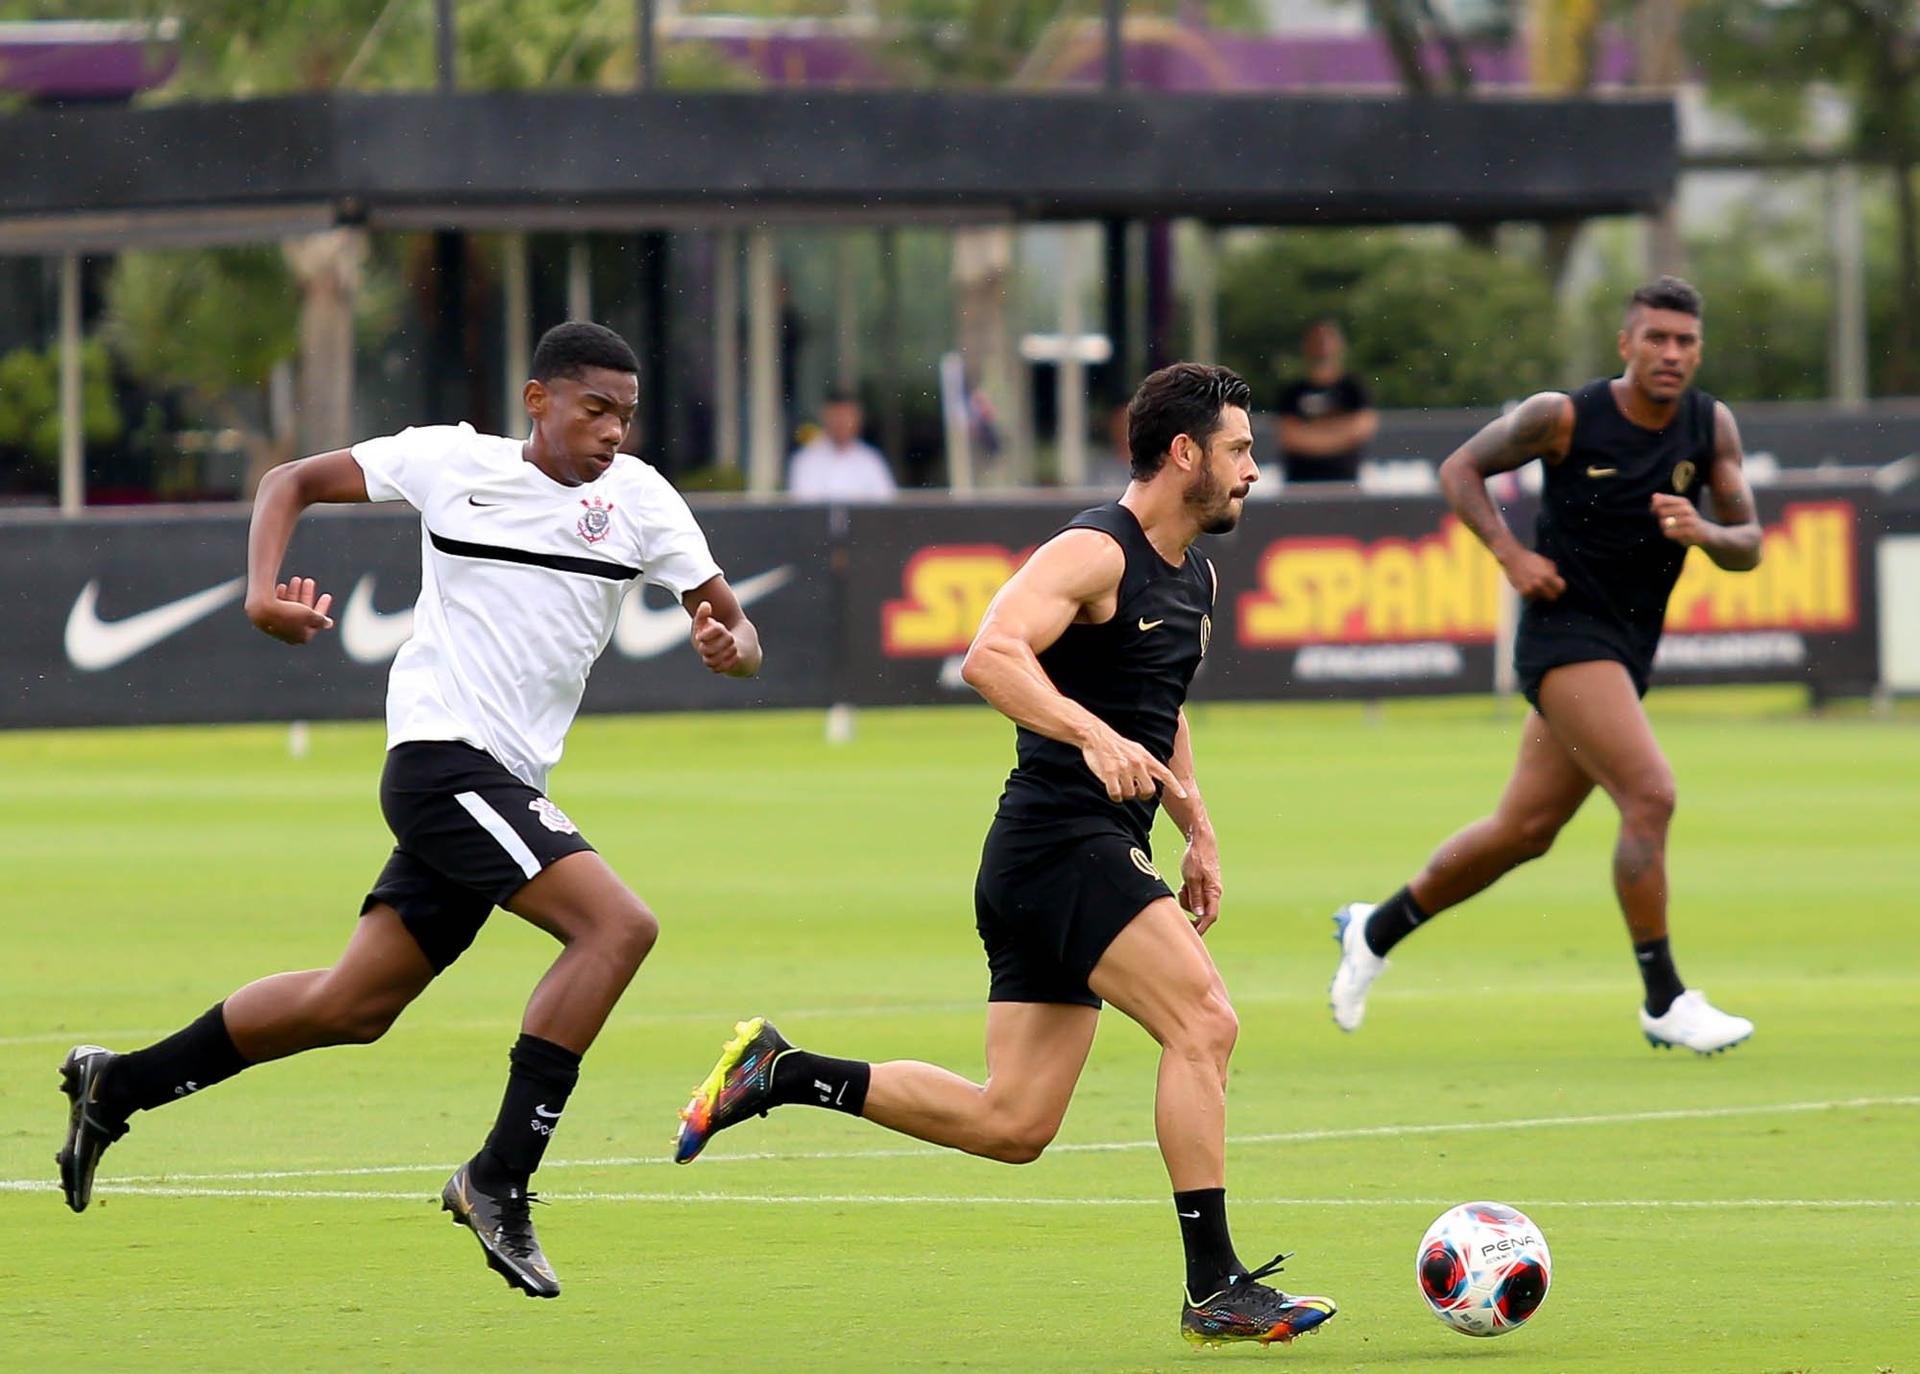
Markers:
<point>1048,904</point>
<point>1534,656</point>
<point>470,835</point>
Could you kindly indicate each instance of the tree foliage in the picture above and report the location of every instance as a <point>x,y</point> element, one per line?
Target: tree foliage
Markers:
<point>30,401</point>
<point>1430,320</point>
<point>204,321</point>
<point>1769,63</point>
<point>986,42</point>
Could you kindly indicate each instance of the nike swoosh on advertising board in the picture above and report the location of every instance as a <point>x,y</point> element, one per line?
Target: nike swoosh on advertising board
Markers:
<point>94,644</point>
<point>645,632</point>
<point>368,635</point>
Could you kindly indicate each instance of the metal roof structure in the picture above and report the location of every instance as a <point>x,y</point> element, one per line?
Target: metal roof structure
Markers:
<point>95,178</point>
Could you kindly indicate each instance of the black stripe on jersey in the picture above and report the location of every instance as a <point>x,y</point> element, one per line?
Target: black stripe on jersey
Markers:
<point>559,562</point>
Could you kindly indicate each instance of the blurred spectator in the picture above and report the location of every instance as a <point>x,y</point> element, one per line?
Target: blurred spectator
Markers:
<point>837,465</point>
<point>1326,418</point>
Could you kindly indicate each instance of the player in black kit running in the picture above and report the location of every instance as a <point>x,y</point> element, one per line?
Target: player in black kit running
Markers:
<point>1626,461</point>
<point>1089,650</point>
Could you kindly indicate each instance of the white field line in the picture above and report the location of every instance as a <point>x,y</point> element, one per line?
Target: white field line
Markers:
<point>1074,1147</point>
<point>980,1200</point>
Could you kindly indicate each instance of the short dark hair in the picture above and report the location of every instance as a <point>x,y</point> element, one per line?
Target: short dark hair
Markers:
<point>1669,293</point>
<point>842,396</point>
<point>1186,398</point>
<point>569,349</point>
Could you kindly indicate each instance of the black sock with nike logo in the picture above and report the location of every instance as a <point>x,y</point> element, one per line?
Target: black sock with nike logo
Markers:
<point>839,1085</point>
<point>1211,1261</point>
<point>538,1083</point>
<point>195,1057</point>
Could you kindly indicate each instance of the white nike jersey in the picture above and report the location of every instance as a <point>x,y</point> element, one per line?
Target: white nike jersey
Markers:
<point>521,580</point>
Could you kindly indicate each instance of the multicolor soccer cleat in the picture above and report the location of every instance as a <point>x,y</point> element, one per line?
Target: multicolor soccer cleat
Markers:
<point>1248,1310</point>
<point>90,1129</point>
<point>503,1224</point>
<point>738,1087</point>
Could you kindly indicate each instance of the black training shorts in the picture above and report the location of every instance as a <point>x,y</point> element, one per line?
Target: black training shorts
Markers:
<point>470,835</point>
<point>1538,652</point>
<point>1048,902</point>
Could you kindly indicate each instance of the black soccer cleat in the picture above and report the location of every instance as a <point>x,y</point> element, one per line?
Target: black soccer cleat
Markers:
<point>1248,1310</point>
<point>90,1128</point>
<point>739,1086</point>
<point>503,1224</point>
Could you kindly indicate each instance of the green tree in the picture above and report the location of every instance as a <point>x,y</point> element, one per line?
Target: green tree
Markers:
<point>989,42</point>
<point>1431,320</point>
<point>1766,325</point>
<point>30,401</point>
<point>1767,61</point>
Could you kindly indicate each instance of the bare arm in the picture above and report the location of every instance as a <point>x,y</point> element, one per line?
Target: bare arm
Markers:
<point>1200,883</point>
<point>725,639</point>
<point>1069,578</point>
<point>288,610</point>
<point>1734,543</point>
<point>1539,427</point>
<point>1329,434</point>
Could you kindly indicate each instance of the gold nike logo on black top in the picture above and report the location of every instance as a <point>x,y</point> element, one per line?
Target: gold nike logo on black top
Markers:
<point>1602,472</point>
<point>1146,625</point>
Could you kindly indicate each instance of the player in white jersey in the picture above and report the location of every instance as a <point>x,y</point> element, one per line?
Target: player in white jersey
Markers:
<point>526,550</point>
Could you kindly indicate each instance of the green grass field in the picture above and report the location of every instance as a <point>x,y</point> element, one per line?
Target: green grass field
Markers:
<point>1750,1213</point>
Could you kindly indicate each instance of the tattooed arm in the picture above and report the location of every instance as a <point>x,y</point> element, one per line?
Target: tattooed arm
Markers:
<point>1734,542</point>
<point>1539,427</point>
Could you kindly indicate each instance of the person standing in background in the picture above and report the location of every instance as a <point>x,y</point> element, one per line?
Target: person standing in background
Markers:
<point>837,465</point>
<point>1326,419</point>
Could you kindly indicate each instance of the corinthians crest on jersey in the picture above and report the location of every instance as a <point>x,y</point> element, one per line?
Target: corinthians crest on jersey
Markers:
<point>597,521</point>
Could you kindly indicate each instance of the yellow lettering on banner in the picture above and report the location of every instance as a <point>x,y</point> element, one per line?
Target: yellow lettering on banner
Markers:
<point>1805,580</point>
<point>1461,578</point>
<point>1394,611</point>
<point>947,590</point>
<point>1443,586</point>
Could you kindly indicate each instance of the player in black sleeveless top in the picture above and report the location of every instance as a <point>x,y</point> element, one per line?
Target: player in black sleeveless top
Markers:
<point>1626,462</point>
<point>1089,650</point>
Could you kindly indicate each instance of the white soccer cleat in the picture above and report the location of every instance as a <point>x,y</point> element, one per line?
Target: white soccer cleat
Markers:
<point>1359,966</point>
<point>1694,1023</point>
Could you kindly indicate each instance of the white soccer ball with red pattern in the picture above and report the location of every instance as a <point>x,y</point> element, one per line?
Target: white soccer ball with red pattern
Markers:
<point>1483,1268</point>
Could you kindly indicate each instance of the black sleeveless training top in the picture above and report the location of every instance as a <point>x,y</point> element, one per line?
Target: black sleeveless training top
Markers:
<point>1597,522</point>
<point>1131,671</point>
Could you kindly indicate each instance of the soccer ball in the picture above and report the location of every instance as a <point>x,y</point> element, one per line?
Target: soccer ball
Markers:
<point>1483,1268</point>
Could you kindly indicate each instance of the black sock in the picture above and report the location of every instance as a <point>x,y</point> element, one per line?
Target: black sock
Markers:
<point>541,1077</point>
<point>1658,973</point>
<point>1393,921</point>
<point>1211,1261</point>
<point>195,1057</point>
<point>817,1081</point>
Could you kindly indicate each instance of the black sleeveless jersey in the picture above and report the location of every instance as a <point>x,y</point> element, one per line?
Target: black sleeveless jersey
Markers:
<point>1597,522</point>
<point>1131,671</point>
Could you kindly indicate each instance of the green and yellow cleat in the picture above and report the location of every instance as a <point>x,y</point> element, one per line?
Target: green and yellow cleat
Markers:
<point>738,1087</point>
<point>1248,1310</point>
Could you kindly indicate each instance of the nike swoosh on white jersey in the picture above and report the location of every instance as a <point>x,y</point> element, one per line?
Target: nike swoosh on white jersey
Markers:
<point>645,632</point>
<point>94,644</point>
<point>368,635</point>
